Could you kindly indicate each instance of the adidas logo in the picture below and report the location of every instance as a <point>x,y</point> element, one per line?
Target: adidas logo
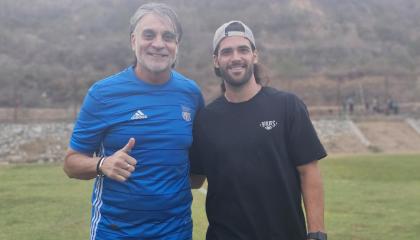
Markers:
<point>138,115</point>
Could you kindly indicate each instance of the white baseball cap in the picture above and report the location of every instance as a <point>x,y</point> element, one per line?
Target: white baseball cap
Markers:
<point>232,28</point>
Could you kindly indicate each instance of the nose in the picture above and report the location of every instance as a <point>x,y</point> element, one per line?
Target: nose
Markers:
<point>236,58</point>
<point>158,42</point>
<point>236,55</point>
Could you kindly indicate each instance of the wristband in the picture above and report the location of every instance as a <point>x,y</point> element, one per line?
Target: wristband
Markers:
<point>317,236</point>
<point>98,167</point>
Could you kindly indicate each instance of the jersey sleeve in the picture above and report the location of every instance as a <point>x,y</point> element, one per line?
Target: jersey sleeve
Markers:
<point>90,125</point>
<point>304,144</point>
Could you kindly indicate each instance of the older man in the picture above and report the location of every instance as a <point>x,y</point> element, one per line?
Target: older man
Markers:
<point>258,149</point>
<point>133,134</point>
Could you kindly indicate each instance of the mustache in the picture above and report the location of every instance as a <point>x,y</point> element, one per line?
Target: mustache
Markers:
<point>161,52</point>
<point>238,64</point>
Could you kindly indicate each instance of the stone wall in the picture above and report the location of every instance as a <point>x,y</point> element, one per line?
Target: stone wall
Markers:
<point>41,142</point>
<point>47,142</point>
<point>330,129</point>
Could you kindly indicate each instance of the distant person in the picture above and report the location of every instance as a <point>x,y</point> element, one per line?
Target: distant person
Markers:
<point>375,105</point>
<point>392,106</point>
<point>367,106</point>
<point>396,107</point>
<point>258,149</point>
<point>350,105</point>
<point>133,134</point>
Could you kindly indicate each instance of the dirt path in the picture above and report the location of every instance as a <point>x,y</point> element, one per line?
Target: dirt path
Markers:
<point>345,143</point>
<point>390,136</point>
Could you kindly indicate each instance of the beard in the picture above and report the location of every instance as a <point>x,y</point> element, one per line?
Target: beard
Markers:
<point>157,66</point>
<point>237,82</point>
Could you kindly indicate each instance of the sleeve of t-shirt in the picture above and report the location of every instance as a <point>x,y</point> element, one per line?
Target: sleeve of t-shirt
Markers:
<point>90,125</point>
<point>200,101</point>
<point>196,161</point>
<point>304,144</point>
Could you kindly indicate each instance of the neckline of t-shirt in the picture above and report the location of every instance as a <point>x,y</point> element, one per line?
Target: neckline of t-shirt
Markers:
<point>247,101</point>
<point>144,83</point>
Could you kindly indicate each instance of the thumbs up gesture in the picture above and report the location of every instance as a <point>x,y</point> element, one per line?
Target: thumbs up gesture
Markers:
<point>127,148</point>
<point>120,165</point>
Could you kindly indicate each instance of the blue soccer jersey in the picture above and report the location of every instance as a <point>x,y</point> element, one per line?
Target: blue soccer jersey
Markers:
<point>155,201</point>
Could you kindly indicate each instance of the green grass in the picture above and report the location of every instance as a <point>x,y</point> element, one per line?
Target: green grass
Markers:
<point>373,197</point>
<point>39,202</point>
<point>367,197</point>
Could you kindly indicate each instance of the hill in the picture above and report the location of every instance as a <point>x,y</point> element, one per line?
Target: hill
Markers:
<point>52,51</point>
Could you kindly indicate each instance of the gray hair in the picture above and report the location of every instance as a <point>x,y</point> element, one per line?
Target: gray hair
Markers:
<point>160,9</point>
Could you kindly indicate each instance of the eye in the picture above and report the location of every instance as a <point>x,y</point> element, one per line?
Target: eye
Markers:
<point>148,34</point>
<point>226,51</point>
<point>244,50</point>
<point>169,37</point>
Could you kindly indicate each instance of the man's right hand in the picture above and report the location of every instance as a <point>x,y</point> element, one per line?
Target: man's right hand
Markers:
<point>120,165</point>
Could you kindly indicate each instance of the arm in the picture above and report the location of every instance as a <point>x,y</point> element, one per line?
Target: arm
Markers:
<point>197,180</point>
<point>313,195</point>
<point>118,166</point>
<point>197,177</point>
<point>80,166</point>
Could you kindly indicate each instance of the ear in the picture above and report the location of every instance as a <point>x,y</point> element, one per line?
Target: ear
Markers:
<point>255,53</point>
<point>175,56</point>
<point>215,61</point>
<point>133,41</point>
<point>176,50</point>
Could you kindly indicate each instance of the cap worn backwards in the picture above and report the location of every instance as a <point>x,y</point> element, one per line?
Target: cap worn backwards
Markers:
<point>232,28</point>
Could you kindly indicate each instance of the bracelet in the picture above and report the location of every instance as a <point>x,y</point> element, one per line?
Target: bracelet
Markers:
<point>317,235</point>
<point>98,167</point>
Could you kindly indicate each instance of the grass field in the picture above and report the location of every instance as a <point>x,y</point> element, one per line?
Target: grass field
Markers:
<point>367,198</point>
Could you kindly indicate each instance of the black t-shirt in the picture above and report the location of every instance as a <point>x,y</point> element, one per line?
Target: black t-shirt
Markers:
<point>249,152</point>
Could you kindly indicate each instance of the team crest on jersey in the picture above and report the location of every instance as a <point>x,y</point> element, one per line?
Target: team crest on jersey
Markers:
<point>186,113</point>
<point>268,125</point>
